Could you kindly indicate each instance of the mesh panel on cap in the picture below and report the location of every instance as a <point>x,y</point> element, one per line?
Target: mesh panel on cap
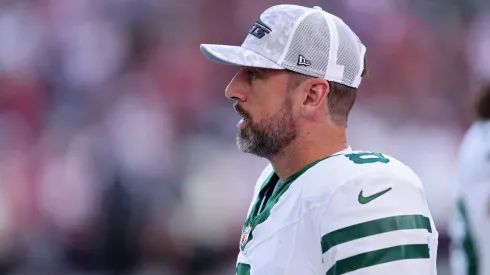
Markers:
<point>349,54</point>
<point>312,41</point>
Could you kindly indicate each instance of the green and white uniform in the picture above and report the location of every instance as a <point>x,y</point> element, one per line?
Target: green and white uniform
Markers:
<point>355,213</point>
<point>470,227</point>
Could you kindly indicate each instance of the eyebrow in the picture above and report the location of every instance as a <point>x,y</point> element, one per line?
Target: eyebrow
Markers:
<point>262,72</point>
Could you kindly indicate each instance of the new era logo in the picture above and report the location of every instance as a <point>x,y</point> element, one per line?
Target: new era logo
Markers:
<point>302,61</point>
<point>260,29</point>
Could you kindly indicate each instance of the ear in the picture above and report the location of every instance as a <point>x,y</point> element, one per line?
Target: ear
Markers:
<point>315,96</point>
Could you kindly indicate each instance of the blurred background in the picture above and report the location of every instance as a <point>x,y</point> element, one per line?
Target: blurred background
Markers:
<point>117,145</point>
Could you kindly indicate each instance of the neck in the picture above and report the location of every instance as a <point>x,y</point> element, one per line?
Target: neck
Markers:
<point>306,149</point>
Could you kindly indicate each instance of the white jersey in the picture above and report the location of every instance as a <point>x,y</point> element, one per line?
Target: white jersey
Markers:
<point>355,213</point>
<point>470,227</point>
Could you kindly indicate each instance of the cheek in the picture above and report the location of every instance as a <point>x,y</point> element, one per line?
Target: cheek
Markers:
<point>270,110</point>
<point>268,100</point>
<point>261,109</point>
<point>295,103</point>
<point>292,109</point>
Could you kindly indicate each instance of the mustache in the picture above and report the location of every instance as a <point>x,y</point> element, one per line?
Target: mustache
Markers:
<point>239,109</point>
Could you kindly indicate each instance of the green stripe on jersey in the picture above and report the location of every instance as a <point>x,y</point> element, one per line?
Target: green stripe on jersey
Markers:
<point>468,243</point>
<point>243,269</point>
<point>255,218</point>
<point>391,254</point>
<point>374,227</point>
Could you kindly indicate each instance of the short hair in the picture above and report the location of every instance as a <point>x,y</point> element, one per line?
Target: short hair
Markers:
<point>481,103</point>
<point>341,98</point>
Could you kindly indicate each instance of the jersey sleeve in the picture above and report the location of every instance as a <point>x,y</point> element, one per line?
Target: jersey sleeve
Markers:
<point>378,224</point>
<point>468,229</point>
<point>470,222</point>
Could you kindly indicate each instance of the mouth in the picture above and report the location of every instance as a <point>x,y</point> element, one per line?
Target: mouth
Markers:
<point>242,123</point>
<point>244,115</point>
<point>241,112</point>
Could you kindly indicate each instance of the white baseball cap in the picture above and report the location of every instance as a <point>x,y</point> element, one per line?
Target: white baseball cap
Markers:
<point>306,40</point>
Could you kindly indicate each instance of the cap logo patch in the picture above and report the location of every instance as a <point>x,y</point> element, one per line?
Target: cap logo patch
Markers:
<point>302,61</point>
<point>260,29</point>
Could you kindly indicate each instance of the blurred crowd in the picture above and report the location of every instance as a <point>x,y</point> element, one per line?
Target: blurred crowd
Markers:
<point>117,145</point>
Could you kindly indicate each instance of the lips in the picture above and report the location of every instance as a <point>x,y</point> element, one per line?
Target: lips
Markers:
<point>241,112</point>
<point>242,123</point>
<point>245,116</point>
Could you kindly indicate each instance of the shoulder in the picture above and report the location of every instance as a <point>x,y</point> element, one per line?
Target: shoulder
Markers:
<point>351,171</point>
<point>476,137</point>
<point>474,153</point>
<point>371,191</point>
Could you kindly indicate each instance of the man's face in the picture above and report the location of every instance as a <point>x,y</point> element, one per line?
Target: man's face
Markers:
<point>263,100</point>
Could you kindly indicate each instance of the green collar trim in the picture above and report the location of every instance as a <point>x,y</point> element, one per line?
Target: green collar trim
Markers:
<point>255,219</point>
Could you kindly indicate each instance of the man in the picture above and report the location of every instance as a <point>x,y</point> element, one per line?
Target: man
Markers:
<point>319,207</point>
<point>470,227</point>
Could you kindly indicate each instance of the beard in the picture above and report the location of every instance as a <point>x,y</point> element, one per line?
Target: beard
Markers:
<point>267,138</point>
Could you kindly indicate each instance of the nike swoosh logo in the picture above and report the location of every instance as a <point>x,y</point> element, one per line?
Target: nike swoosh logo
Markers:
<point>364,200</point>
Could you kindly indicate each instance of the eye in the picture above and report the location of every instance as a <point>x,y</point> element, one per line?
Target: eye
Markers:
<point>252,75</point>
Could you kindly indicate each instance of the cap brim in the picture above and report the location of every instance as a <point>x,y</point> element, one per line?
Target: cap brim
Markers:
<point>236,56</point>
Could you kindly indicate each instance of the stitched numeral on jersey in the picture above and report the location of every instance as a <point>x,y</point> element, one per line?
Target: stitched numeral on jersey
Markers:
<point>362,158</point>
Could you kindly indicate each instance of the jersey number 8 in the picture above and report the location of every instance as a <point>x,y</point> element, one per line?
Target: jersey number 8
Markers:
<point>362,158</point>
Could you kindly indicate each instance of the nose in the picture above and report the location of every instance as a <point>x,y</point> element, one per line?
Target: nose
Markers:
<point>235,89</point>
